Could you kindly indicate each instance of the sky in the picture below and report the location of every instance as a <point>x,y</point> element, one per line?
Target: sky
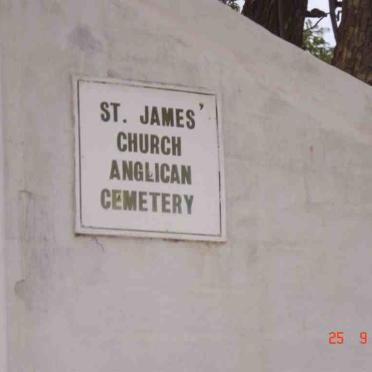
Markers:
<point>326,22</point>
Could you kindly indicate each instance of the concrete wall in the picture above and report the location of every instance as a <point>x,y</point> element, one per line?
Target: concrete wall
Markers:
<point>3,330</point>
<point>298,158</point>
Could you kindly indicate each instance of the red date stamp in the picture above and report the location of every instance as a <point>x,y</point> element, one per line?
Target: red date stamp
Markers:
<point>338,338</point>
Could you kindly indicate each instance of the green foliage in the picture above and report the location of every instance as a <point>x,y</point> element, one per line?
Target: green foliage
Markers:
<point>232,4</point>
<point>314,42</point>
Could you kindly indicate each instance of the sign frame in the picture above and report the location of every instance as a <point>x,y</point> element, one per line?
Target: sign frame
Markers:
<point>81,229</point>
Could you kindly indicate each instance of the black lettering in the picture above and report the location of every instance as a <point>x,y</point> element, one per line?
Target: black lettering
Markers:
<point>115,106</point>
<point>175,177</point>
<point>129,200</point>
<point>165,150</point>
<point>185,174</point>
<point>167,117</point>
<point>176,146</point>
<point>149,143</point>
<point>179,118</point>
<point>105,114</point>
<point>105,203</point>
<point>155,116</point>
<point>138,171</point>
<point>148,175</point>
<point>132,142</point>
<point>177,200</point>
<point>116,199</point>
<point>165,203</point>
<point>154,140</point>
<point>121,137</point>
<point>157,173</point>
<point>144,143</point>
<point>127,168</point>
<point>190,123</point>
<point>114,173</point>
<point>163,169</point>
<point>142,201</point>
<point>144,119</point>
<point>154,196</point>
<point>189,199</point>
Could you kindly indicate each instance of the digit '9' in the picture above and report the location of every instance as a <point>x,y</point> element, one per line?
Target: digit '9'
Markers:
<point>363,337</point>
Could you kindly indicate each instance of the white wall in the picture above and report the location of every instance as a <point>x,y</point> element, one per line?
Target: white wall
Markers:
<point>3,330</point>
<point>298,158</point>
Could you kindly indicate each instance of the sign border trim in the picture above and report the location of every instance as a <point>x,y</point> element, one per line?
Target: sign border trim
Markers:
<point>80,228</point>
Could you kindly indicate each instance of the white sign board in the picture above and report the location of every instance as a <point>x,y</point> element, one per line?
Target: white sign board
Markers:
<point>149,161</point>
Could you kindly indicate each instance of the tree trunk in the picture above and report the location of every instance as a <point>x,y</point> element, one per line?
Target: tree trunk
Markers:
<point>353,52</point>
<point>284,18</point>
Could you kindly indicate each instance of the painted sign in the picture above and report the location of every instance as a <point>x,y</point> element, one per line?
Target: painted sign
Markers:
<point>149,161</point>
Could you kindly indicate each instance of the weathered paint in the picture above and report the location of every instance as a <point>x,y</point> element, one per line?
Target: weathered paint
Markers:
<point>3,308</point>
